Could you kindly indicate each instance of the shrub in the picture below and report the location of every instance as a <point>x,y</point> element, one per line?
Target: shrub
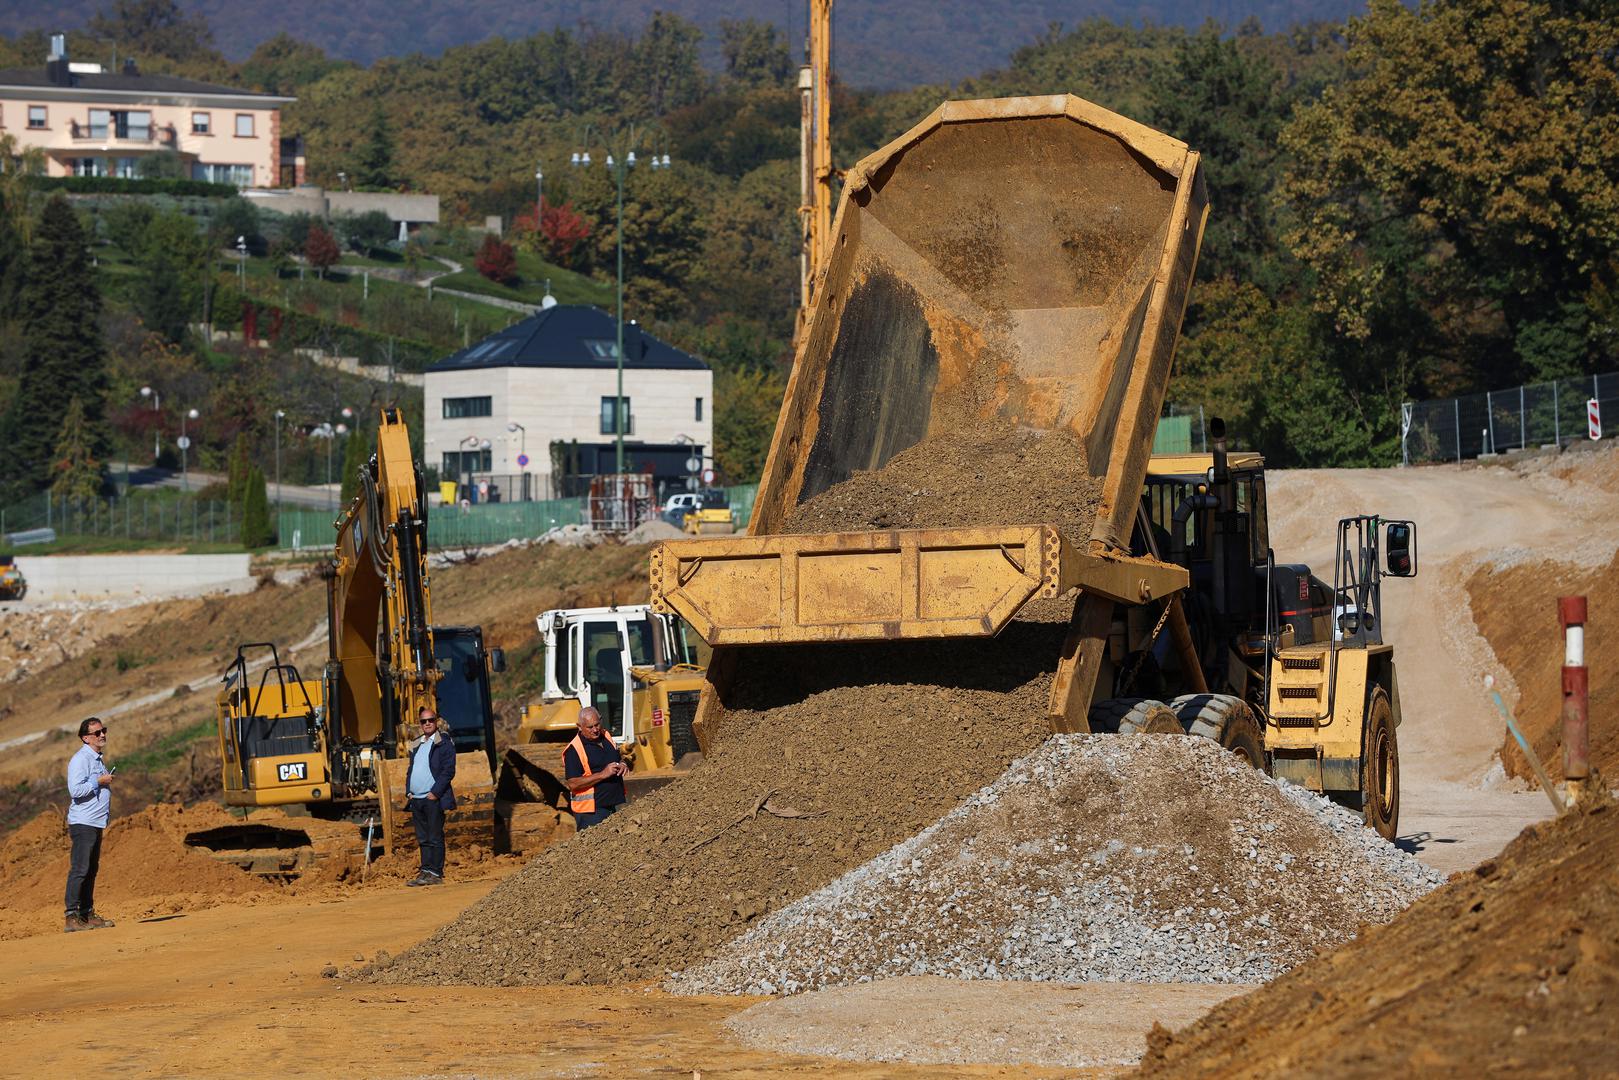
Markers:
<point>497,261</point>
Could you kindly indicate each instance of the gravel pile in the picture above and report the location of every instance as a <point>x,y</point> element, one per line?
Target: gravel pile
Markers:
<point>1095,858</point>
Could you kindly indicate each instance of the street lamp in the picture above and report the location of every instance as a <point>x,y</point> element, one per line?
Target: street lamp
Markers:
<point>522,453</point>
<point>280,415</point>
<point>157,406</point>
<point>619,165</point>
<point>241,263</point>
<point>539,197</point>
<point>185,447</point>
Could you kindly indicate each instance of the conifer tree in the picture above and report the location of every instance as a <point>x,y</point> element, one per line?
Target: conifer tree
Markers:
<point>75,472</point>
<point>374,166</point>
<point>356,450</point>
<point>257,531</point>
<point>240,465</point>
<point>63,355</point>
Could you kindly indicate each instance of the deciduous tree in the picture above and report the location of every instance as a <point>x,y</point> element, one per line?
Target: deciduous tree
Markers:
<point>496,260</point>
<point>75,472</point>
<point>321,249</point>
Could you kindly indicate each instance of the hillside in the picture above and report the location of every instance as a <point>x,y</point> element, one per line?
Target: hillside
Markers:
<point>888,45</point>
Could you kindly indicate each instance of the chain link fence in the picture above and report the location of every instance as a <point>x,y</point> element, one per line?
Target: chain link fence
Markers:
<point>1493,422</point>
<point>154,516</point>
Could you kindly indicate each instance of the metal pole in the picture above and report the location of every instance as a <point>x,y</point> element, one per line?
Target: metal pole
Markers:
<point>1489,414</point>
<point>1458,403</point>
<point>618,406</point>
<point>1557,421</point>
<point>1523,427</point>
<point>1576,696</point>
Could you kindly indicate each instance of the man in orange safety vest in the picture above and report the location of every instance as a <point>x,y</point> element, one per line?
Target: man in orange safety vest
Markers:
<point>593,772</point>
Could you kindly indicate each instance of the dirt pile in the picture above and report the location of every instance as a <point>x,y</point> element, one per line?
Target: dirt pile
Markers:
<point>146,869</point>
<point>1147,858</point>
<point>961,479</point>
<point>855,749</point>
<point>1511,969</point>
<point>1516,610</point>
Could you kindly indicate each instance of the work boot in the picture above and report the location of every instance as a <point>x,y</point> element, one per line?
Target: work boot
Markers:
<point>74,925</point>
<point>430,878</point>
<point>93,921</point>
<point>419,879</point>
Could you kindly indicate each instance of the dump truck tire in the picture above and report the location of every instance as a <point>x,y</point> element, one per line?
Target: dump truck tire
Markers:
<point>1227,720</point>
<point>1133,716</point>
<point>1380,769</point>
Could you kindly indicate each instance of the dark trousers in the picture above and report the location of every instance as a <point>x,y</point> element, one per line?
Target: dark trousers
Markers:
<point>428,817</point>
<point>81,875</point>
<point>581,822</point>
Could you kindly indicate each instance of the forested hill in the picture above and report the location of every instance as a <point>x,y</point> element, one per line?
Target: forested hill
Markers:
<point>876,43</point>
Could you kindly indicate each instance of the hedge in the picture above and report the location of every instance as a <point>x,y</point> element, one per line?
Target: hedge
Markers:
<point>115,185</point>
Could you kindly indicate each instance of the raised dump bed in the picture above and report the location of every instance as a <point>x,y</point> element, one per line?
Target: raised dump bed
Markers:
<point>1014,267</point>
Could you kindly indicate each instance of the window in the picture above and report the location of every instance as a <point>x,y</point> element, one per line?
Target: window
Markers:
<point>699,415</point>
<point>244,125</point>
<point>200,123</point>
<point>36,116</point>
<point>457,407</point>
<point>459,463</point>
<point>90,166</point>
<point>133,125</point>
<point>240,175</point>
<point>99,120</point>
<point>622,424</point>
<point>602,350</point>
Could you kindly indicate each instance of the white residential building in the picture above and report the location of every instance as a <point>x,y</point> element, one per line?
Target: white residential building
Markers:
<point>545,387</point>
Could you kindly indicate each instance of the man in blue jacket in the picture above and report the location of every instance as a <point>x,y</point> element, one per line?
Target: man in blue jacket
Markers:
<point>89,786</point>
<point>432,767</point>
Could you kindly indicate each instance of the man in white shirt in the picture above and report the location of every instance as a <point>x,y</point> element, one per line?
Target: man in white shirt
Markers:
<point>89,786</point>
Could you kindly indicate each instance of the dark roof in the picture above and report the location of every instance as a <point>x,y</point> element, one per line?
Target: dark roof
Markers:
<point>567,336</point>
<point>138,84</point>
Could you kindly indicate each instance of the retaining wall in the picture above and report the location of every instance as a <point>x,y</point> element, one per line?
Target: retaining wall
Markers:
<point>92,577</point>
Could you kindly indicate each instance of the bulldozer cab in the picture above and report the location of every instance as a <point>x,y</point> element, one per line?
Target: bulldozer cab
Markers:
<point>592,656</point>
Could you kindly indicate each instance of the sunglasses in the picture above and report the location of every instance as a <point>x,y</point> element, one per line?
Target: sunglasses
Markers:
<point>429,720</point>
<point>93,734</point>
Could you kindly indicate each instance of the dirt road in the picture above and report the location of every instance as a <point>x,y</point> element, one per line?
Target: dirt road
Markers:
<point>238,992</point>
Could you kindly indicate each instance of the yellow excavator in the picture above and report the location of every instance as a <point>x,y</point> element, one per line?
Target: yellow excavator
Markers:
<point>335,746</point>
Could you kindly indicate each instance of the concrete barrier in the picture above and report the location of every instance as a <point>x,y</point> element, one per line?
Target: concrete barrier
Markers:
<point>93,577</point>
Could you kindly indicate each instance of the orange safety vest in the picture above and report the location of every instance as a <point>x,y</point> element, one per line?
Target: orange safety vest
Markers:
<point>584,800</point>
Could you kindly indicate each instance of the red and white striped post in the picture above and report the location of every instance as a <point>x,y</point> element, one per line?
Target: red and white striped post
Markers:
<point>1576,692</point>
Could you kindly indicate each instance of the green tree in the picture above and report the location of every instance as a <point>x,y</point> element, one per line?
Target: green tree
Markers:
<point>75,472</point>
<point>356,452</point>
<point>754,53</point>
<point>154,28</point>
<point>161,296</point>
<point>257,532</point>
<point>63,355</point>
<point>1457,190</point>
<point>367,232</point>
<point>746,404</point>
<point>374,159</point>
<point>667,62</point>
<point>241,464</point>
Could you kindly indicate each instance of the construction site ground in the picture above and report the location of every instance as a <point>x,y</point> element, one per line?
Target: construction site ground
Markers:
<point>211,979</point>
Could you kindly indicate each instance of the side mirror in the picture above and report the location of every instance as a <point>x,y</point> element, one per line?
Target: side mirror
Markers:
<point>1401,549</point>
<point>497,660</point>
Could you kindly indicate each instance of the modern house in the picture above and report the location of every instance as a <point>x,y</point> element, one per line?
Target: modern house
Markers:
<point>92,122</point>
<point>545,389</point>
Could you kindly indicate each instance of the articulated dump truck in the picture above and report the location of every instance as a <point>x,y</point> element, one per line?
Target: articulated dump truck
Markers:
<point>1022,266</point>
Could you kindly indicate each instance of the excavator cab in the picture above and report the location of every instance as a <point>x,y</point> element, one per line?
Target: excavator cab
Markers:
<point>463,687</point>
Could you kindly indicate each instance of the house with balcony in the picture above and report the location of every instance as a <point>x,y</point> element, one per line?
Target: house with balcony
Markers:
<point>534,412</point>
<point>91,122</point>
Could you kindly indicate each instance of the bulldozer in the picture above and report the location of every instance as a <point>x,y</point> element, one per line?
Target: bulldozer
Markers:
<point>335,746</point>
<point>712,515</point>
<point>12,584</point>
<point>1023,264</point>
<point>640,669</point>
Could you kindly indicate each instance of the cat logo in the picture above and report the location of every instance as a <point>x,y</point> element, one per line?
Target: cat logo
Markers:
<point>295,770</point>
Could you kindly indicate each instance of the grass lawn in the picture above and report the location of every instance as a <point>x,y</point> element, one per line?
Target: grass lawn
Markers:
<point>111,545</point>
<point>566,285</point>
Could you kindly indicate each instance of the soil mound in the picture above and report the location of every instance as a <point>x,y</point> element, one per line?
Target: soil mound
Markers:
<point>856,750</point>
<point>1516,609</point>
<point>1147,858</point>
<point>146,869</point>
<point>1511,969</point>
<point>962,479</point>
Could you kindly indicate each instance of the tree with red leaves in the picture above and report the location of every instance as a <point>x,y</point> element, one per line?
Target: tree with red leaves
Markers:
<point>321,249</point>
<point>497,261</point>
<point>561,232</point>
